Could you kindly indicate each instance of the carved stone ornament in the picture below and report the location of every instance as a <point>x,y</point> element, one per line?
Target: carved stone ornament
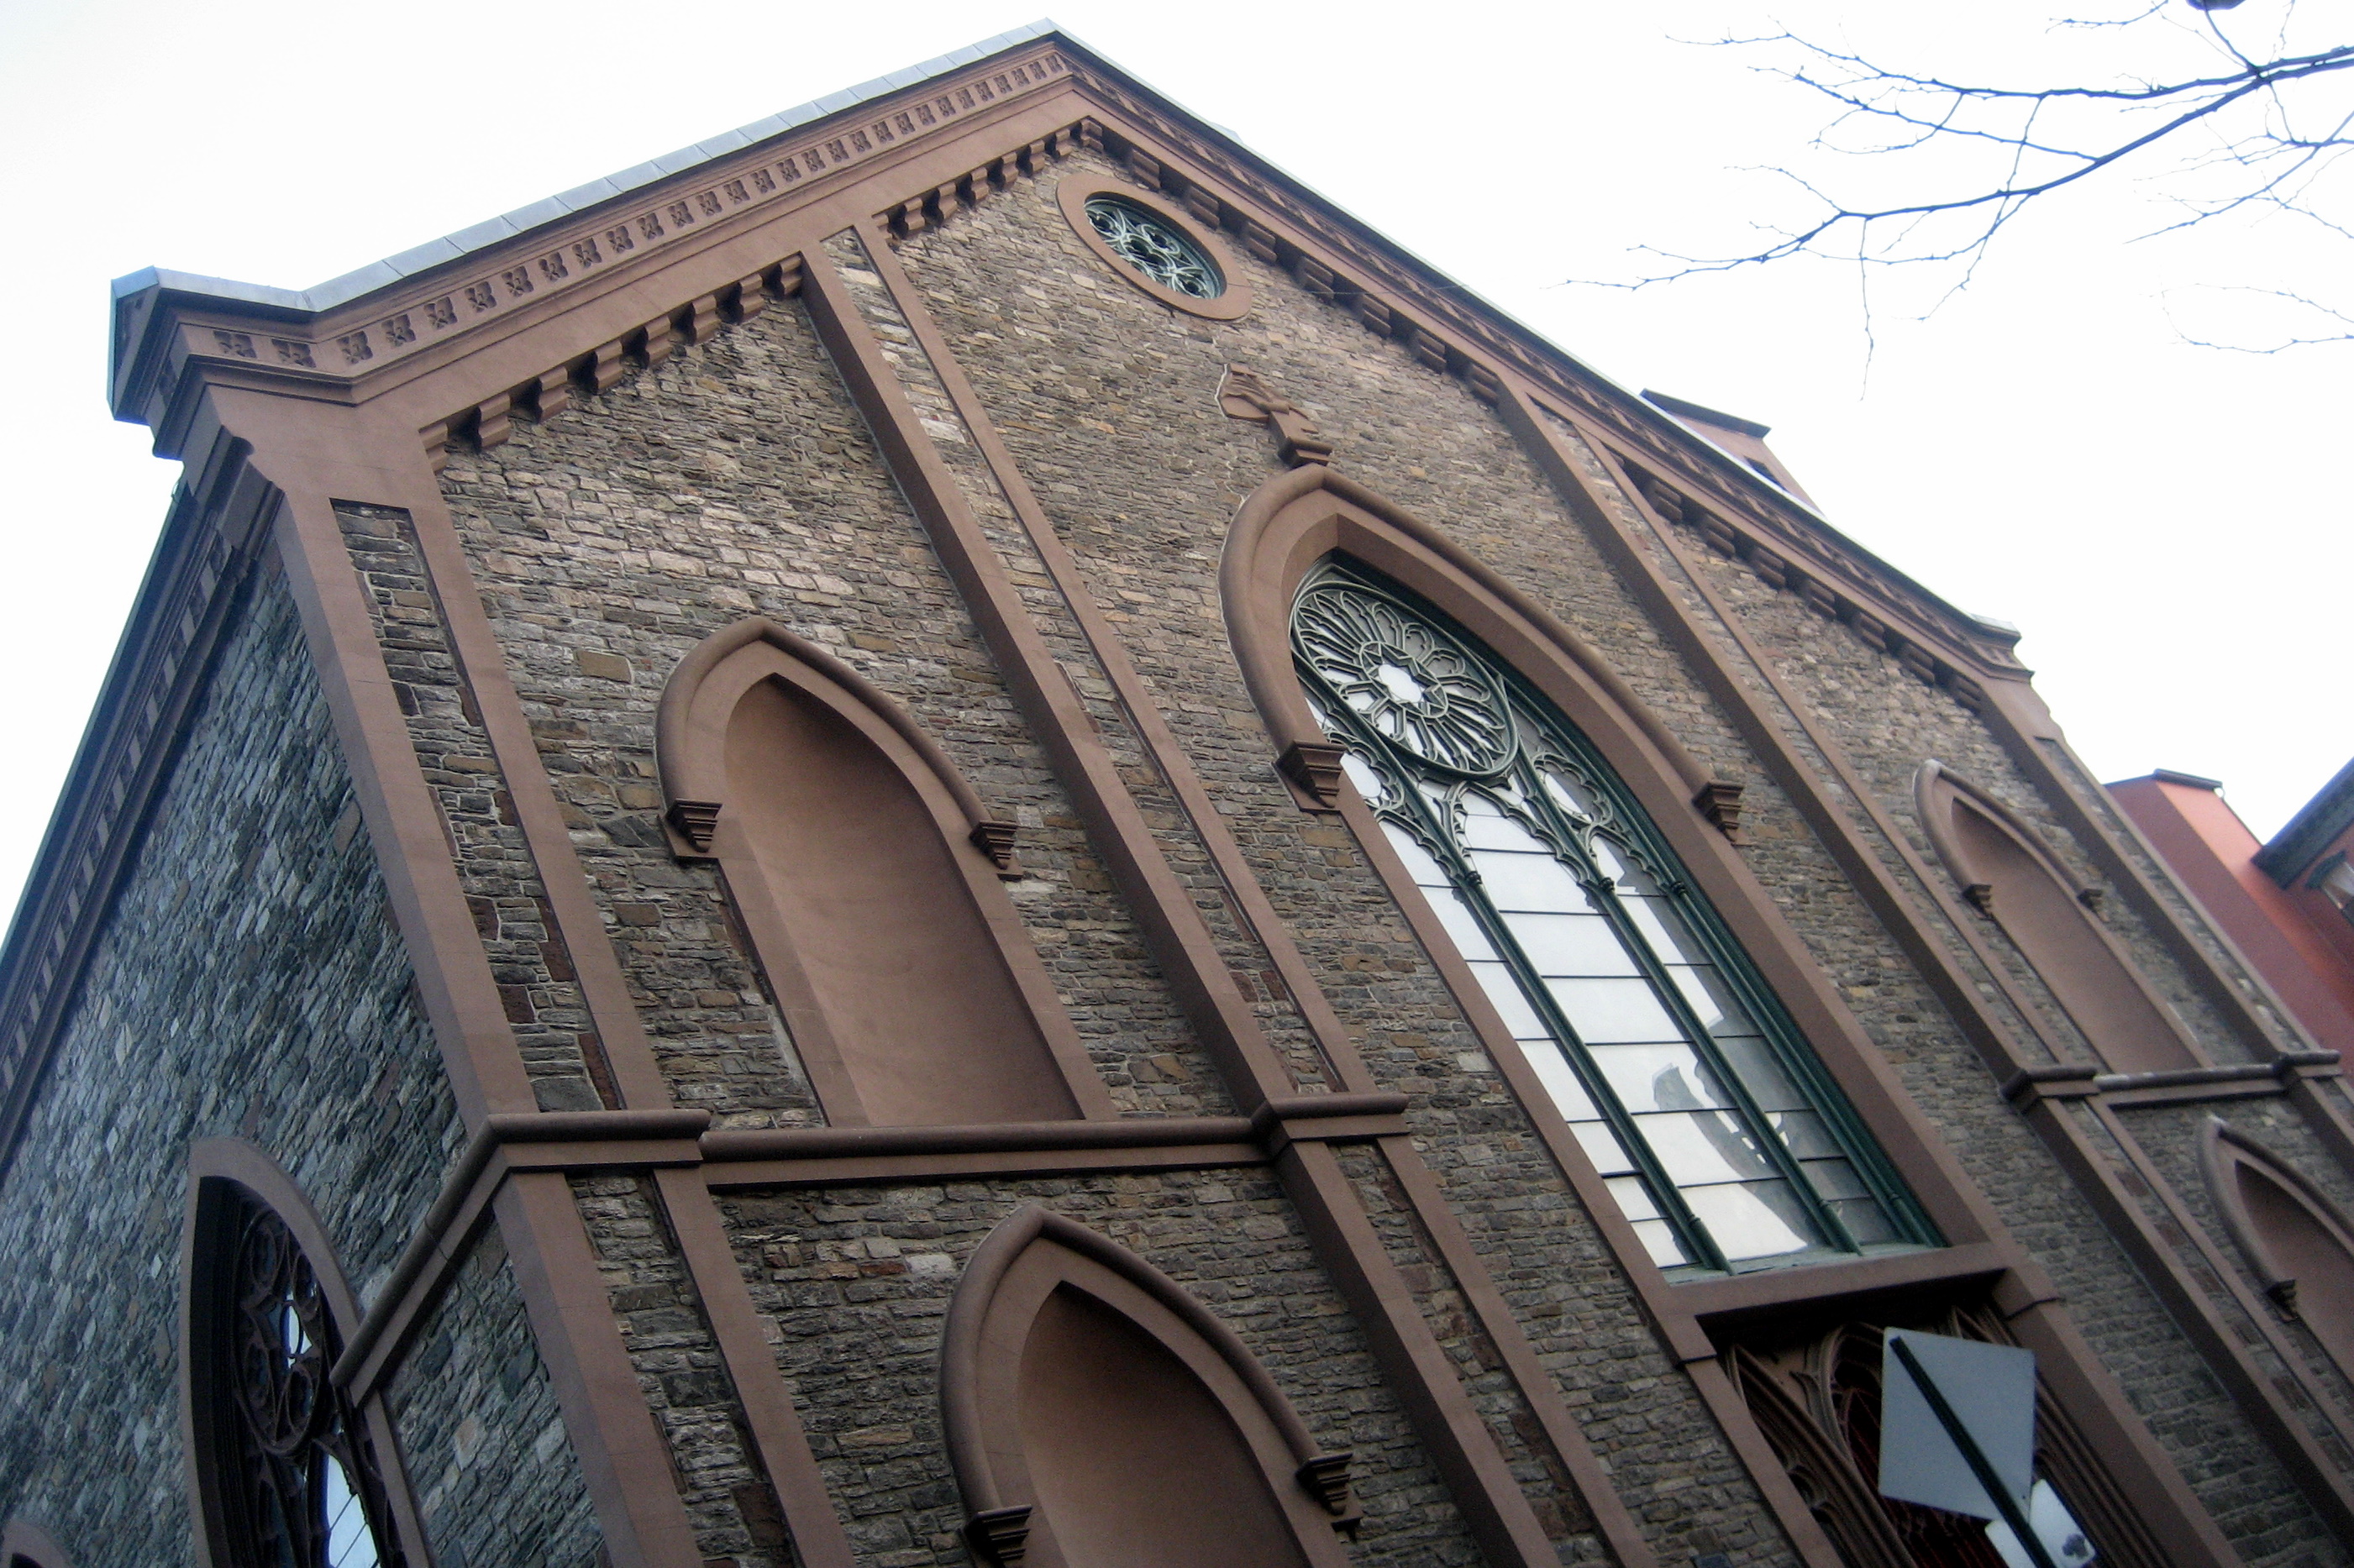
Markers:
<point>1719,802</point>
<point>995,840</point>
<point>1326,1477</point>
<point>1243,396</point>
<point>1315,767</point>
<point>1001,1536</point>
<point>696,821</point>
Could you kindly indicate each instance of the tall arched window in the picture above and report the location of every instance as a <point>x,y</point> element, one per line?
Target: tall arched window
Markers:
<point>1726,1144</point>
<point>288,1473</point>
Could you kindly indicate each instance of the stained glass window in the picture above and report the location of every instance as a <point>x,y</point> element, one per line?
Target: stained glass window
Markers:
<point>1153,249</point>
<point>1724,1143</point>
<point>295,1481</point>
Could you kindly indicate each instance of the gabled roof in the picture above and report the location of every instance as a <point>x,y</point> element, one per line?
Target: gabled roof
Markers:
<point>464,242</point>
<point>175,334</point>
<point>2318,823</point>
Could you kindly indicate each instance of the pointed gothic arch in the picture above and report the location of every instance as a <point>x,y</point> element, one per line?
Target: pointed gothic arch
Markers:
<point>2297,1244</point>
<point>1633,1010</point>
<point>1298,519</point>
<point>2002,866</point>
<point>1096,1412</point>
<point>867,873</point>
<point>281,1467</point>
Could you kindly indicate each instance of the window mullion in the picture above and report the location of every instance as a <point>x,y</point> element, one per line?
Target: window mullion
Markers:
<point>1665,1194</point>
<point>1806,1071</point>
<point>1605,893</point>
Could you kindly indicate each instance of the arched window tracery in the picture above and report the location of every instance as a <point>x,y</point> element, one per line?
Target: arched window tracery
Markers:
<point>288,1473</point>
<point>1815,1395</point>
<point>1724,1143</point>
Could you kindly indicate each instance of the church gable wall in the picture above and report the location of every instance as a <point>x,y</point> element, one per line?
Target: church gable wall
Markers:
<point>249,984</point>
<point>738,480</point>
<point>911,461</point>
<point>1110,402</point>
<point>856,1282</point>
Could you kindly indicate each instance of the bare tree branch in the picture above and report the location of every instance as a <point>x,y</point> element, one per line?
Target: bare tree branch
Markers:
<point>2252,137</point>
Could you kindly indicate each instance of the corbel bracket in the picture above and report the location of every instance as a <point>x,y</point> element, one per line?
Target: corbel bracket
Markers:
<point>1001,1536</point>
<point>1719,802</point>
<point>995,840</point>
<point>1313,767</point>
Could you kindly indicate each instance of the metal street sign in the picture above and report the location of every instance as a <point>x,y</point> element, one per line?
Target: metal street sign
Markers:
<point>1957,1432</point>
<point>1990,1389</point>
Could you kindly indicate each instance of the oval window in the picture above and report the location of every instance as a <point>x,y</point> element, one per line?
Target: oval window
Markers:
<point>1155,249</point>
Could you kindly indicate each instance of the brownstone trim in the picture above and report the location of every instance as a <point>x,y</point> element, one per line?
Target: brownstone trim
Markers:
<point>1616,1525</point>
<point>775,1427</point>
<point>2017,718</point>
<point>1422,1376</point>
<point>2077,1375</point>
<point>315,452</point>
<point>1720,1303</point>
<point>623,1457</point>
<point>235,1163</point>
<point>440,1244</point>
<point>1971,881</point>
<point>2223,1146</point>
<point>2272,1402</point>
<point>1612,1519</point>
<point>686,749</point>
<point>1073,193</point>
<point>1271,547</point>
<point>1164,909</point>
<point>620,1036</point>
<point>691,737</point>
<point>1030,1252</point>
<point>1965,872</point>
<point>1136,701</point>
<point>23,1542</point>
<point>550,269</point>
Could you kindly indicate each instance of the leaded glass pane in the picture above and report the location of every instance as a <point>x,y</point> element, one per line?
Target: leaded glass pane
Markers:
<point>1153,249</point>
<point>1685,1084</point>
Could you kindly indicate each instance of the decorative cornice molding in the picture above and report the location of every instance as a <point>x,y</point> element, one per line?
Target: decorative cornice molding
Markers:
<point>162,328</point>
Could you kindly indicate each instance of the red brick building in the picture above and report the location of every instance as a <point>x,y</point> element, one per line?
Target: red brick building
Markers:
<point>2285,902</point>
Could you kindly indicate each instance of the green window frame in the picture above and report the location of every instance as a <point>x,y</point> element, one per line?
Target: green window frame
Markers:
<point>1714,1126</point>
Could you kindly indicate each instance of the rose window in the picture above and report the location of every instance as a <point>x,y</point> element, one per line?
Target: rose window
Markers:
<point>1155,249</point>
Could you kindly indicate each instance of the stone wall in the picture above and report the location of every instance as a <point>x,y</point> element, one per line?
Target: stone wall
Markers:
<point>1110,402</point>
<point>854,1283</point>
<point>249,984</point>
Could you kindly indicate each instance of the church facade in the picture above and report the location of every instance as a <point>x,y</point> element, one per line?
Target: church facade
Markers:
<point>953,833</point>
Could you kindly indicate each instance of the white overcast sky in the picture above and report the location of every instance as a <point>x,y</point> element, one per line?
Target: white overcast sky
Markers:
<point>2168,523</point>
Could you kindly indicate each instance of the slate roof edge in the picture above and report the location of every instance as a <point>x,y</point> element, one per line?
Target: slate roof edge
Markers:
<point>341,290</point>
<point>384,273</point>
